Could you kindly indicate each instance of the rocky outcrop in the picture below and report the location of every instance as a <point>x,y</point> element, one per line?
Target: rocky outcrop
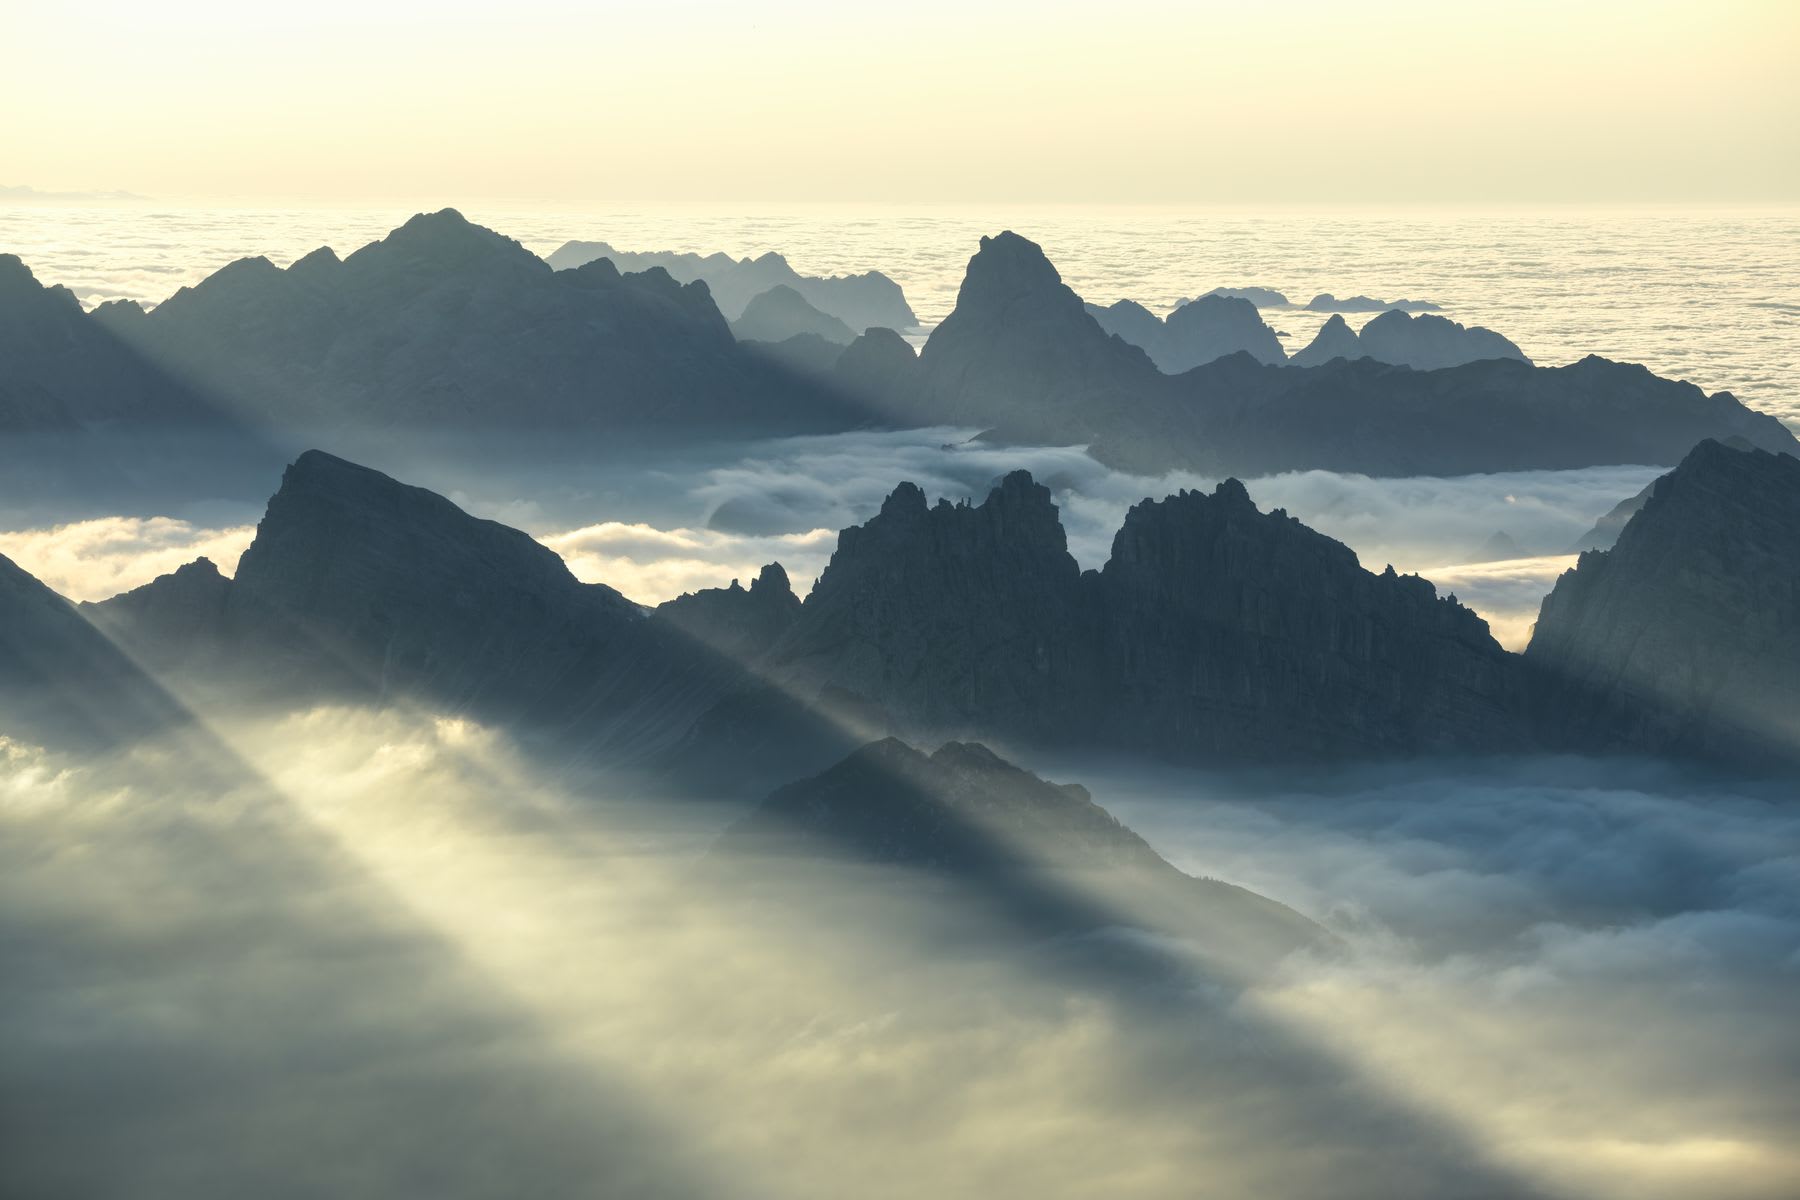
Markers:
<point>781,313</point>
<point>1427,343</point>
<point>1197,332</point>
<point>739,622</point>
<point>860,301</point>
<point>1335,339</point>
<point>1044,855</point>
<point>1685,636</point>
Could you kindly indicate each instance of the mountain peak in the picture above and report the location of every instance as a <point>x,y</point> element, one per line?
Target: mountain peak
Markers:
<point>1008,265</point>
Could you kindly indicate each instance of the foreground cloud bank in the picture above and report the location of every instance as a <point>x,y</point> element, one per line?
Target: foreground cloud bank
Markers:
<point>391,955</point>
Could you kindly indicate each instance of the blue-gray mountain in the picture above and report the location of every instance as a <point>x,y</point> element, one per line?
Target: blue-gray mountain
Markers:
<point>862,301</point>
<point>1684,637</point>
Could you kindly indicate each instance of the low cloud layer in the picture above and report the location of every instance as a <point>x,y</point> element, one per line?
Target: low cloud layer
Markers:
<point>391,955</point>
<point>91,560</point>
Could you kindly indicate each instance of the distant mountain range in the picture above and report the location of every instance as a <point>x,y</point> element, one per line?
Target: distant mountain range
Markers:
<point>1214,634</point>
<point>449,328</point>
<point>865,301</point>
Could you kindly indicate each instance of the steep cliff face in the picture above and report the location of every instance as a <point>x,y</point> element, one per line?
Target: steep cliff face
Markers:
<point>1685,636</point>
<point>952,617</point>
<point>1231,633</point>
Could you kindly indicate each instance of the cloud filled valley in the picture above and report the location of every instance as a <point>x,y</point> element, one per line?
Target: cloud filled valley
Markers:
<point>386,947</point>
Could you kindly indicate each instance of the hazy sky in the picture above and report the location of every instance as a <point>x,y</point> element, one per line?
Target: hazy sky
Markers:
<point>1138,101</point>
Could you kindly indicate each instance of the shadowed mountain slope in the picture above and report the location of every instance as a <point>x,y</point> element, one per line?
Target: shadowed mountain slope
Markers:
<point>1685,636</point>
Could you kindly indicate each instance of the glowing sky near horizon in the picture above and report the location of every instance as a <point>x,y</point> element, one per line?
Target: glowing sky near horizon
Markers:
<point>1142,101</point>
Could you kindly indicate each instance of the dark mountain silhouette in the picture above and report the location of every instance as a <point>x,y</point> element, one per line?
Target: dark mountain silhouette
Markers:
<point>1021,357</point>
<point>1606,530</point>
<point>62,370</point>
<point>1197,332</point>
<point>859,301</point>
<point>1044,854</point>
<point>739,622</point>
<point>1685,636</point>
<point>781,313</point>
<point>1326,302</point>
<point>446,325</point>
<point>63,682</point>
<point>1214,633</point>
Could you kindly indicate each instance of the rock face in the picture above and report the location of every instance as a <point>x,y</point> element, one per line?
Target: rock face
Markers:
<point>952,617</point>
<point>781,313</point>
<point>1335,339</point>
<point>1020,356</point>
<point>1215,633</point>
<point>1427,343</point>
<point>62,682</point>
<point>1236,633</point>
<point>1196,332</point>
<point>1685,636</point>
<point>1046,853</point>
<point>859,301</point>
<point>1606,530</point>
<point>446,325</point>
